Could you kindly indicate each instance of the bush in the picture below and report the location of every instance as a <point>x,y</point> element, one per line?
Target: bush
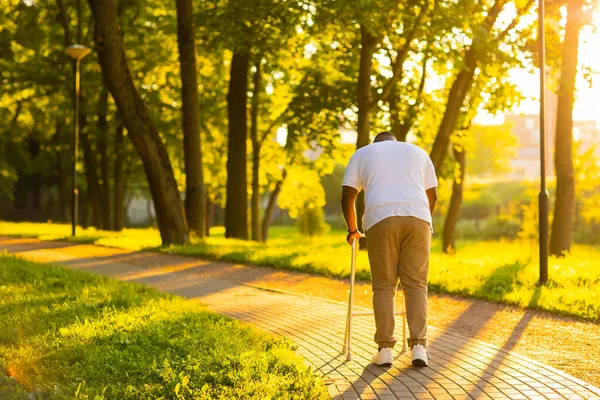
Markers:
<point>503,227</point>
<point>493,228</point>
<point>587,232</point>
<point>311,222</point>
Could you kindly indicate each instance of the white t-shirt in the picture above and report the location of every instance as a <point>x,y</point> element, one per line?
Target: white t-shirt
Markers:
<point>395,176</point>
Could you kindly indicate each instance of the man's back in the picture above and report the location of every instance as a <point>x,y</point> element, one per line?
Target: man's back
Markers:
<point>395,177</point>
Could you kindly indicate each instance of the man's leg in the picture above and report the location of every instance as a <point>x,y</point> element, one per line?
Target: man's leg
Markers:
<point>383,247</point>
<point>412,270</point>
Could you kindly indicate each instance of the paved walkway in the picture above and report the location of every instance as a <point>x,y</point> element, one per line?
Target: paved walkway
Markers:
<point>460,367</point>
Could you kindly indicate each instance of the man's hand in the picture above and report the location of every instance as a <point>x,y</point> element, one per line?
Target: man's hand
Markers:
<point>351,237</point>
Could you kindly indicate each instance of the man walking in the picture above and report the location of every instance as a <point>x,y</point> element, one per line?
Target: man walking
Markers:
<point>400,194</point>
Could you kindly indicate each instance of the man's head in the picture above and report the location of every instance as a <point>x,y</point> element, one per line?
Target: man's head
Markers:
<point>383,136</point>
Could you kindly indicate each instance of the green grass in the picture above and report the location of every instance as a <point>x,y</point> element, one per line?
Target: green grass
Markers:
<point>498,271</point>
<point>130,239</point>
<point>68,334</point>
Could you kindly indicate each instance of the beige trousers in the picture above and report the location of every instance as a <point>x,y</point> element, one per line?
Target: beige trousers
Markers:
<point>398,248</point>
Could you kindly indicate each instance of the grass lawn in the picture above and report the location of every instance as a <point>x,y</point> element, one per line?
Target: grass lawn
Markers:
<point>68,334</point>
<point>498,271</point>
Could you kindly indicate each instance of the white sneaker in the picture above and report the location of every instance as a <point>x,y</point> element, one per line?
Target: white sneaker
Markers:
<point>383,357</point>
<point>419,356</point>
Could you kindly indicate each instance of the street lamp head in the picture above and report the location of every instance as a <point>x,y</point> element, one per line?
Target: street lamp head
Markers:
<point>77,51</point>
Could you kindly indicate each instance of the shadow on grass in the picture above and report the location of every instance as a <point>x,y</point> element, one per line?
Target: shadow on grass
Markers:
<point>502,281</point>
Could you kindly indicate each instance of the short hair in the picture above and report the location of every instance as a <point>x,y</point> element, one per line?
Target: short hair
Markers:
<point>384,136</point>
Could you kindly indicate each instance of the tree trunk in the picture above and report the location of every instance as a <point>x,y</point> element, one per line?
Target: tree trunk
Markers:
<point>456,98</point>
<point>141,129</point>
<point>449,235</point>
<point>195,205</point>
<point>236,213</point>
<point>460,88</point>
<point>85,212</point>
<point>562,225</point>
<point>368,44</point>
<point>397,127</point>
<point>255,201</point>
<point>62,173</point>
<point>93,185</point>
<point>120,181</point>
<point>64,191</point>
<point>401,127</point>
<point>210,216</point>
<point>270,210</point>
<point>106,192</point>
<point>35,178</point>
<point>90,162</point>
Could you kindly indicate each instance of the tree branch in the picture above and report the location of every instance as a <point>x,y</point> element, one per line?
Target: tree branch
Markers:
<point>79,22</point>
<point>515,21</point>
<point>13,121</point>
<point>278,120</point>
<point>86,38</point>
<point>64,21</point>
<point>397,69</point>
<point>206,130</point>
<point>412,109</point>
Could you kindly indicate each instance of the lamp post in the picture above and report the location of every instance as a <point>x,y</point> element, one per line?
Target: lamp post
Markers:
<point>76,52</point>
<point>543,197</point>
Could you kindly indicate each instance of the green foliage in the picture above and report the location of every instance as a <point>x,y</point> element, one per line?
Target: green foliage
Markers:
<point>332,184</point>
<point>491,149</point>
<point>587,171</point>
<point>311,222</point>
<point>505,226</point>
<point>301,191</point>
<point>68,334</point>
<point>254,26</point>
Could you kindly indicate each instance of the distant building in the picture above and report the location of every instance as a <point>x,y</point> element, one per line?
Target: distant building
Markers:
<point>526,165</point>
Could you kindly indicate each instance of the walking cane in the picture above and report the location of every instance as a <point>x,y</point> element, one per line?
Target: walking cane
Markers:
<point>347,349</point>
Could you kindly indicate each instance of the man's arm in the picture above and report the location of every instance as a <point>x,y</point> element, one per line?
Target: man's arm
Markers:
<point>348,209</point>
<point>432,196</point>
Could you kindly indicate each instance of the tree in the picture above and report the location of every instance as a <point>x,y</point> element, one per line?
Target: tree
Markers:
<point>465,141</point>
<point>483,49</point>
<point>312,120</point>
<point>256,145</point>
<point>492,149</point>
<point>404,116</point>
<point>449,233</point>
<point>103,177</point>
<point>236,212</point>
<point>195,199</point>
<point>143,133</point>
<point>106,189</point>
<point>378,21</point>
<point>121,175</point>
<point>562,225</point>
<point>247,29</point>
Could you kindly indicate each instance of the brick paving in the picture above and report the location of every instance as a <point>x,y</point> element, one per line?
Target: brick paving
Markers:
<point>460,368</point>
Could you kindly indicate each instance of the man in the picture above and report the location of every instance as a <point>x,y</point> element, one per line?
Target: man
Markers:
<point>400,194</point>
